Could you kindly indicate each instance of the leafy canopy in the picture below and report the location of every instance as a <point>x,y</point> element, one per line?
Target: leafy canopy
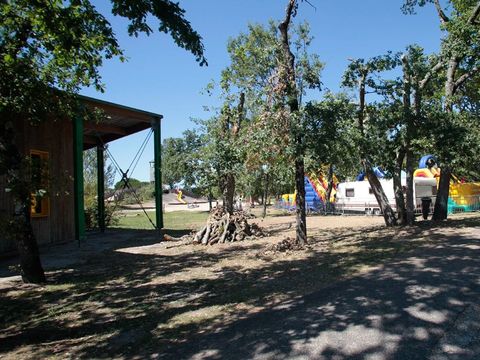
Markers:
<point>54,44</point>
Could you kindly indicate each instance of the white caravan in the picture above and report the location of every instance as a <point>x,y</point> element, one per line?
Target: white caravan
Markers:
<point>357,196</point>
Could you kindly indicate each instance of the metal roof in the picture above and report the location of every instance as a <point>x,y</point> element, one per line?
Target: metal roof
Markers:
<point>120,121</point>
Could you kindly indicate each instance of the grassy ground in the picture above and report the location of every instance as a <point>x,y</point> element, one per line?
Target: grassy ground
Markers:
<point>177,220</point>
<point>144,298</point>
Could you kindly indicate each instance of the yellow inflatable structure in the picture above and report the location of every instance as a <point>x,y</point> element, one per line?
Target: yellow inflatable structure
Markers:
<point>462,196</point>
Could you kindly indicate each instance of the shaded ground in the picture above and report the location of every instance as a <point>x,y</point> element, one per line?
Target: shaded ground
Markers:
<point>356,293</point>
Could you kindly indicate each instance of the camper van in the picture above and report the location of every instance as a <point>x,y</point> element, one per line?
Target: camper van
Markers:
<point>358,197</point>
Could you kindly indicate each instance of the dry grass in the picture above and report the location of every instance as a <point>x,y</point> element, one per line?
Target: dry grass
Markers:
<point>139,299</point>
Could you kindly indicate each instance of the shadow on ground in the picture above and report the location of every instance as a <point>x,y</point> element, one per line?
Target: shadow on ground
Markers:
<point>130,304</point>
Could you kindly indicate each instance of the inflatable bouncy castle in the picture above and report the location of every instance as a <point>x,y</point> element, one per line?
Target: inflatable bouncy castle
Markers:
<point>316,188</point>
<point>463,196</point>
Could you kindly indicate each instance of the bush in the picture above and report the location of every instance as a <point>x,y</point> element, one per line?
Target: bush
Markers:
<point>146,192</point>
<point>91,216</point>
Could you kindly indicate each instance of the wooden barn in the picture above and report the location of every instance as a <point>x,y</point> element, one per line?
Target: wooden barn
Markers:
<point>59,216</point>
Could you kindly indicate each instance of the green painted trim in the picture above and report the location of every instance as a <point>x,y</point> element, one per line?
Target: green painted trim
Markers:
<point>100,189</point>
<point>78,190</point>
<point>157,149</point>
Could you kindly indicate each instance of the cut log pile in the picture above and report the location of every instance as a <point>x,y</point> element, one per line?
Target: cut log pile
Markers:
<point>222,227</point>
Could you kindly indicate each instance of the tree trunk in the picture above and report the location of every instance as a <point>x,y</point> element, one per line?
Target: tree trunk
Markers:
<point>387,211</point>
<point>301,231</point>
<point>410,132</point>
<point>291,93</point>
<point>231,131</point>
<point>229,192</point>
<point>382,200</point>
<point>31,267</point>
<point>398,188</point>
<point>410,199</point>
<point>210,199</point>
<point>330,185</point>
<point>450,84</point>
<point>440,211</point>
<point>21,231</point>
<point>265,196</point>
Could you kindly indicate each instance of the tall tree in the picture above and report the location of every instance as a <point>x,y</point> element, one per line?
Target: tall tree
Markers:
<point>330,137</point>
<point>419,73</point>
<point>173,161</point>
<point>257,69</point>
<point>290,90</point>
<point>47,46</point>
<point>231,123</point>
<point>460,56</point>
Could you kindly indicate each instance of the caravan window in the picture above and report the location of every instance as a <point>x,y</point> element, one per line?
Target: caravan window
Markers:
<point>350,192</point>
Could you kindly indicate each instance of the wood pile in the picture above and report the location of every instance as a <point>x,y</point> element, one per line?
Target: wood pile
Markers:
<point>286,245</point>
<point>222,227</point>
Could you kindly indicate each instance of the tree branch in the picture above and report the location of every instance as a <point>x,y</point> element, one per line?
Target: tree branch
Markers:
<point>283,27</point>
<point>429,75</point>
<point>240,114</point>
<point>466,76</point>
<point>475,14</point>
<point>441,14</point>
<point>309,3</point>
<point>407,83</point>
<point>289,57</point>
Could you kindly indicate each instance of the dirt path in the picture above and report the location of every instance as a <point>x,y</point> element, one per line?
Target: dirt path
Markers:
<point>354,292</point>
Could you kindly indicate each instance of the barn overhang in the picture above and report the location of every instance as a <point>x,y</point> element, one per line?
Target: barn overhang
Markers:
<point>118,121</point>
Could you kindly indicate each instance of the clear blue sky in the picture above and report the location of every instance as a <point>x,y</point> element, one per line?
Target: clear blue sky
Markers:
<point>162,78</point>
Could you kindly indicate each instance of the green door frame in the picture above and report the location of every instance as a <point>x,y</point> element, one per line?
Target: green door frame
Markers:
<point>157,149</point>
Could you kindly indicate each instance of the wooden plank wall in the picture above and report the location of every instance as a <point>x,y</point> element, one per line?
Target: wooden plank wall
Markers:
<point>54,137</point>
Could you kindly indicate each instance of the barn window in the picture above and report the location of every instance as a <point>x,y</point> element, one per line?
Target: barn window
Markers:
<point>350,192</point>
<point>40,205</point>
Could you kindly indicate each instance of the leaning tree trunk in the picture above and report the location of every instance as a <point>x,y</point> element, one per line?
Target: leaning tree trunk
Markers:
<point>398,188</point>
<point>21,230</point>
<point>382,200</point>
<point>440,211</point>
<point>387,211</point>
<point>291,93</point>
